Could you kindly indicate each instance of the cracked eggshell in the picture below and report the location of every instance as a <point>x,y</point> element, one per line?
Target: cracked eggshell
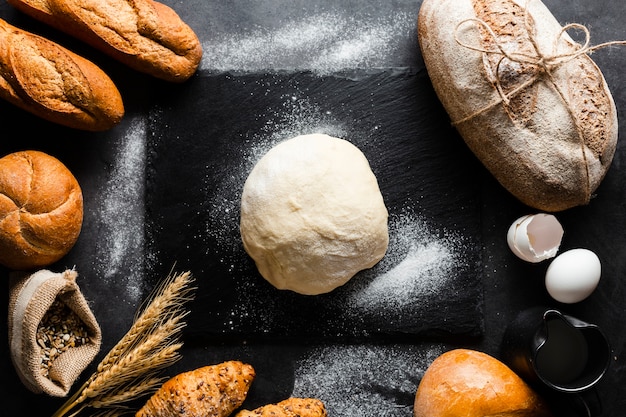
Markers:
<point>535,237</point>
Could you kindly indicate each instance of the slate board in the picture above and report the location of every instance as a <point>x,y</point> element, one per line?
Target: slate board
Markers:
<point>203,142</point>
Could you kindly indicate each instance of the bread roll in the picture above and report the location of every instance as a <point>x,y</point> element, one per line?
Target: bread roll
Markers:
<point>214,391</point>
<point>469,383</point>
<point>541,119</point>
<point>55,84</point>
<point>41,210</point>
<point>291,407</point>
<point>143,34</point>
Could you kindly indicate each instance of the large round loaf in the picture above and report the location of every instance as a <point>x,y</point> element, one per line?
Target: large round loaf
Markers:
<point>529,103</point>
<point>41,210</point>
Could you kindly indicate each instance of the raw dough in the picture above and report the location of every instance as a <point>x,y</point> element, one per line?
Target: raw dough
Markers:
<point>312,215</point>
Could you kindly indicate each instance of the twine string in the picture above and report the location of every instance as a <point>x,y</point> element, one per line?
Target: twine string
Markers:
<point>545,64</point>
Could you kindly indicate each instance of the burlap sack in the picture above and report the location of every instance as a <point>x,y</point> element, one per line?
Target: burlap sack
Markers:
<point>49,358</point>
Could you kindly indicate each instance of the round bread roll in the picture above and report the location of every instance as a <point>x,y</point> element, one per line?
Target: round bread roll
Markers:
<point>41,210</point>
<point>469,383</point>
<point>312,215</point>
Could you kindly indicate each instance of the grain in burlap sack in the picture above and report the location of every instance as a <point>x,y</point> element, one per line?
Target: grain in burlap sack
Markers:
<point>49,358</point>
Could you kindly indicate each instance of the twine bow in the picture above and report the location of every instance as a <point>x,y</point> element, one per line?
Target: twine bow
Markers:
<point>544,64</point>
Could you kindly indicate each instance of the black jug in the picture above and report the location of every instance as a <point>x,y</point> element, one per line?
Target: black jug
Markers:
<point>558,354</point>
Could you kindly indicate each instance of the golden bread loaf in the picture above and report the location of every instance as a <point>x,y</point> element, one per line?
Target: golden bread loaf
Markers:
<point>469,383</point>
<point>41,210</point>
<point>529,101</point>
<point>45,79</point>
<point>291,407</point>
<point>143,34</point>
<point>210,391</point>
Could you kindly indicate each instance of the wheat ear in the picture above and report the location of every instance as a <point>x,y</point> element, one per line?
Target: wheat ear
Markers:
<point>150,345</point>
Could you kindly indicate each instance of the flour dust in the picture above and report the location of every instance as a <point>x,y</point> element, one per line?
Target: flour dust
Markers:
<point>364,380</point>
<point>419,262</point>
<point>121,215</point>
<point>323,43</point>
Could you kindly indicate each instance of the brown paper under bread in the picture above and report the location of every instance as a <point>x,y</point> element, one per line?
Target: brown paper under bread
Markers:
<point>143,34</point>
<point>528,101</point>
<point>55,84</point>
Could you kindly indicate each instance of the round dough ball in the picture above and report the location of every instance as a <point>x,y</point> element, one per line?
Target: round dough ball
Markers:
<point>312,215</point>
<point>41,210</point>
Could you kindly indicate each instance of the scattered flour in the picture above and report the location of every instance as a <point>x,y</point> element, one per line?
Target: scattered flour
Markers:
<point>364,380</point>
<point>121,213</point>
<point>322,43</point>
<point>418,263</point>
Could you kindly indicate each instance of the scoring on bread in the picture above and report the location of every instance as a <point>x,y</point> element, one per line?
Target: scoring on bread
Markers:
<point>143,34</point>
<point>41,210</point>
<point>526,98</point>
<point>45,79</point>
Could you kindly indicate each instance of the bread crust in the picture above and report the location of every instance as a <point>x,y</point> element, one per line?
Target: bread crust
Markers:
<point>143,34</point>
<point>41,210</point>
<point>215,390</point>
<point>51,82</point>
<point>469,383</point>
<point>291,407</point>
<point>553,143</point>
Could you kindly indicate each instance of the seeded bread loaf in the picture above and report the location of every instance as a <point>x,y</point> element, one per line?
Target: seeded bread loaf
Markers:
<point>215,390</point>
<point>55,84</point>
<point>143,34</point>
<point>291,407</point>
<point>528,101</point>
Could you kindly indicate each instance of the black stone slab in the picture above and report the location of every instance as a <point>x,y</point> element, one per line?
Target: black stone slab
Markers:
<point>202,145</point>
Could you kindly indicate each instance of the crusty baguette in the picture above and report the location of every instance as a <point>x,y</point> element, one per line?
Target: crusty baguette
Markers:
<point>210,391</point>
<point>143,34</point>
<point>551,142</point>
<point>291,407</point>
<point>55,84</point>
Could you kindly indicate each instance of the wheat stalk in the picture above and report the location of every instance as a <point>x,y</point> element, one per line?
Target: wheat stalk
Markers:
<point>150,345</point>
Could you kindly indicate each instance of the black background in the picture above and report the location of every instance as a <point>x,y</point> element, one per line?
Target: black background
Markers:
<point>197,134</point>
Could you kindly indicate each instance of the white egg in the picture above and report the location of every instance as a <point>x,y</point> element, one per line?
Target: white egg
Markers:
<point>573,275</point>
<point>535,237</point>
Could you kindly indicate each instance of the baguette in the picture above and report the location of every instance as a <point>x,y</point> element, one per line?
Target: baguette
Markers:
<point>143,34</point>
<point>528,100</point>
<point>49,81</point>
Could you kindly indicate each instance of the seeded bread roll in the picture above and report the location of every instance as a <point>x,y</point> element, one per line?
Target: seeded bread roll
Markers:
<point>528,101</point>
<point>41,210</point>
<point>215,390</point>
<point>291,407</point>
<point>143,34</point>
<point>55,84</point>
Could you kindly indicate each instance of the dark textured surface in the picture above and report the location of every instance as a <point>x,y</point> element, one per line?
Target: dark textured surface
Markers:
<point>389,116</point>
<point>202,135</point>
